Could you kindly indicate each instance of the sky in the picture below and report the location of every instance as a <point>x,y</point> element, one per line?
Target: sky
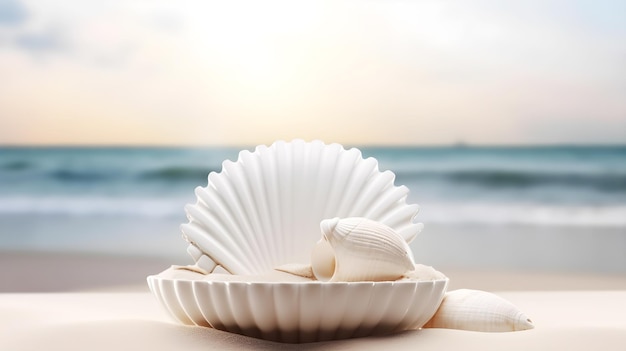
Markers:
<point>92,72</point>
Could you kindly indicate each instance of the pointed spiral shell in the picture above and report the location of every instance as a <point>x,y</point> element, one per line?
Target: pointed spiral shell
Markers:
<point>359,249</point>
<point>477,310</point>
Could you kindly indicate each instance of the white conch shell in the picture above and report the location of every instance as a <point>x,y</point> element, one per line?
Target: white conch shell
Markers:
<point>478,311</point>
<point>359,249</point>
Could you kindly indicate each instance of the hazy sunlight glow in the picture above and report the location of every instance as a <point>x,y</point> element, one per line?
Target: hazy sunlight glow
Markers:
<point>357,72</point>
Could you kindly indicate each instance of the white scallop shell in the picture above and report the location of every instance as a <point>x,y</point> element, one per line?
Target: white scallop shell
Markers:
<point>264,210</point>
<point>359,249</point>
<point>299,312</point>
<point>478,311</point>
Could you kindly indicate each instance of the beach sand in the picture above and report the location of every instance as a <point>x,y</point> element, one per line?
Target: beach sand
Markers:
<point>564,320</point>
<point>76,272</point>
<point>101,302</point>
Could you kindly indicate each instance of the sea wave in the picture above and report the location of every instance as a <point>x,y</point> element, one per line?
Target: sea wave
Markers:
<point>609,181</point>
<point>87,206</point>
<point>441,213</point>
<point>64,175</point>
<point>175,173</point>
<point>524,214</point>
<point>67,176</point>
<point>521,179</point>
<point>17,165</point>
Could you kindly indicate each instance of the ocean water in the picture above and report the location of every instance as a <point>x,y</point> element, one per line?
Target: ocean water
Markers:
<point>130,200</point>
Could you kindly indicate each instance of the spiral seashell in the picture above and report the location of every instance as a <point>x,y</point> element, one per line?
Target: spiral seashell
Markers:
<point>478,311</point>
<point>359,249</point>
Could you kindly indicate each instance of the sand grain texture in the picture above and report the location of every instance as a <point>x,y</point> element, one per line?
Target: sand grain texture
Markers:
<point>572,320</point>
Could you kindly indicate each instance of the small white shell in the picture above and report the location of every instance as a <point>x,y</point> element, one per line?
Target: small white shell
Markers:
<point>478,311</point>
<point>359,249</point>
<point>299,269</point>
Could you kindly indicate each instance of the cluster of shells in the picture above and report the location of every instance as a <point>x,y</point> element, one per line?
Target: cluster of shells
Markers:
<point>358,249</point>
<point>265,212</point>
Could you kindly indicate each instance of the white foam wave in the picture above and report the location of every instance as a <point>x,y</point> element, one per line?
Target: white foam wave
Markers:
<point>524,214</point>
<point>85,206</point>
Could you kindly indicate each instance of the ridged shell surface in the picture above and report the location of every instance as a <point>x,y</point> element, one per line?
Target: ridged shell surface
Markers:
<point>264,210</point>
<point>477,310</point>
<point>300,312</point>
<point>359,249</point>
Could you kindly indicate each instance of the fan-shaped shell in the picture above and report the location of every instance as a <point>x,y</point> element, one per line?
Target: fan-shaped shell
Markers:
<point>264,210</point>
<point>297,312</point>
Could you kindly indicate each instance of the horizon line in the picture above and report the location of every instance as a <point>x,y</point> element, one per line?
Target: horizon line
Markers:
<point>459,145</point>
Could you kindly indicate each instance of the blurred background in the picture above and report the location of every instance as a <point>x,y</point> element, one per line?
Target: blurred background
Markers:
<point>506,120</point>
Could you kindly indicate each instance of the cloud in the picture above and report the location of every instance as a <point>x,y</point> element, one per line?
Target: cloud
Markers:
<point>12,13</point>
<point>41,41</point>
<point>353,72</point>
<point>24,30</point>
<point>102,35</point>
<point>167,21</point>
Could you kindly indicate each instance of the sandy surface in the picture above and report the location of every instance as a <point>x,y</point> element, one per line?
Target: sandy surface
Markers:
<point>564,320</point>
<point>59,272</point>
<point>102,303</point>
<point>55,272</point>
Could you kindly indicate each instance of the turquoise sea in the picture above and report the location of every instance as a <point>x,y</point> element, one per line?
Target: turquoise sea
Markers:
<point>567,200</point>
